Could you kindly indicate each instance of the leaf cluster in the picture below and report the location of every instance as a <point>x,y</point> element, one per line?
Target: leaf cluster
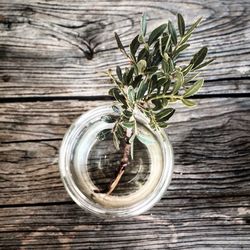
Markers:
<point>153,80</point>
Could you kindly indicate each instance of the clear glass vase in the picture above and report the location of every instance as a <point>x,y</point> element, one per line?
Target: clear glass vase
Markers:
<point>88,166</point>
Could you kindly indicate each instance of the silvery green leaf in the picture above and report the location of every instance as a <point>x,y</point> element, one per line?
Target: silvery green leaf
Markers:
<point>166,85</point>
<point>180,49</point>
<point>165,56</point>
<point>119,130</point>
<point>143,24</point>
<point>188,102</point>
<point>157,104</point>
<point>116,141</point>
<point>131,141</point>
<point>199,57</point>
<point>172,32</point>
<point>203,64</point>
<point>102,135</point>
<point>157,58</point>
<point>191,78</point>
<point>137,81</point>
<point>187,69</point>
<point>171,65</point>
<point>119,43</point>
<point>119,73</point>
<point>143,54</point>
<point>127,113</point>
<point>162,124</point>
<point>168,43</point>
<point>141,39</point>
<point>141,65</point>
<point>141,90</point>
<point>194,88</point>
<point>131,94</point>
<point>125,76</point>
<point>179,82</point>
<point>145,138</point>
<point>165,66</point>
<point>134,46</point>
<point>130,75</point>
<point>108,118</point>
<point>181,24</point>
<point>151,70</point>
<point>128,124</point>
<point>115,92</point>
<point>164,114</point>
<point>116,109</point>
<point>190,31</point>
<point>156,33</point>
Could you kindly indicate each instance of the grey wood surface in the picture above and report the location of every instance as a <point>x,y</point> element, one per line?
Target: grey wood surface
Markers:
<point>51,56</point>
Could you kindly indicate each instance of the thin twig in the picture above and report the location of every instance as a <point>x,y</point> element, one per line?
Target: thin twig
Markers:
<point>124,162</point>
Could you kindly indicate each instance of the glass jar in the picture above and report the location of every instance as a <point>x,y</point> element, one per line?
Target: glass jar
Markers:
<point>88,166</point>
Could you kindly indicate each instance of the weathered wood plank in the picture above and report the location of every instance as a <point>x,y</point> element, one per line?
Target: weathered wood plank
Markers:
<point>211,144</point>
<point>197,223</point>
<point>57,48</point>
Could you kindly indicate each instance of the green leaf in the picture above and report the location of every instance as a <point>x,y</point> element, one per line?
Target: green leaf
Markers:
<point>141,90</point>
<point>127,113</point>
<point>141,65</point>
<point>179,82</point>
<point>191,77</point>
<point>172,32</point>
<point>143,24</point>
<point>131,94</point>
<point>199,57</point>
<point>162,124</point>
<point>116,141</point>
<point>119,43</point>
<point>131,141</point>
<point>165,66</point>
<point>194,88</point>
<point>181,24</point>
<point>119,131</point>
<point>187,69</point>
<point>130,75</point>
<point>156,33</point>
<point>188,103</point>
<point>145,138</point>
<point>119,73</point>
<point>164,114</point>
<point>203,64</point>
<point>137,81</point>
<point>116,109</point>
<point>115,92</point>
<point>134,46</point>
<point>102,135</point>
<point>143,54</point>
<point>168,44</point>
<point>190,30</point>
<point>157,104</point>
<point>108,118</point>
<point>128,124</point>
<point>180,49</point>
<point>166,86</point>
<point>151,70</point>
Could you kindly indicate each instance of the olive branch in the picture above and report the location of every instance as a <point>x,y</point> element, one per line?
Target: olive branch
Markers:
<point>151,82</point>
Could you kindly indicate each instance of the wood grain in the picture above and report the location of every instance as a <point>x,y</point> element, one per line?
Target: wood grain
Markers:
<point>197,223</point>
<point>211,149</point>
<point>52,50</point>
<point>59,48</point>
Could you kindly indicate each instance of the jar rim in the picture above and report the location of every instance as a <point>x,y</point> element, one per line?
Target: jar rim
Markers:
<point>81,199</point>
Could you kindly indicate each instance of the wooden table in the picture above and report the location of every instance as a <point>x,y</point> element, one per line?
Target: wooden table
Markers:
<point>51,53</point>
